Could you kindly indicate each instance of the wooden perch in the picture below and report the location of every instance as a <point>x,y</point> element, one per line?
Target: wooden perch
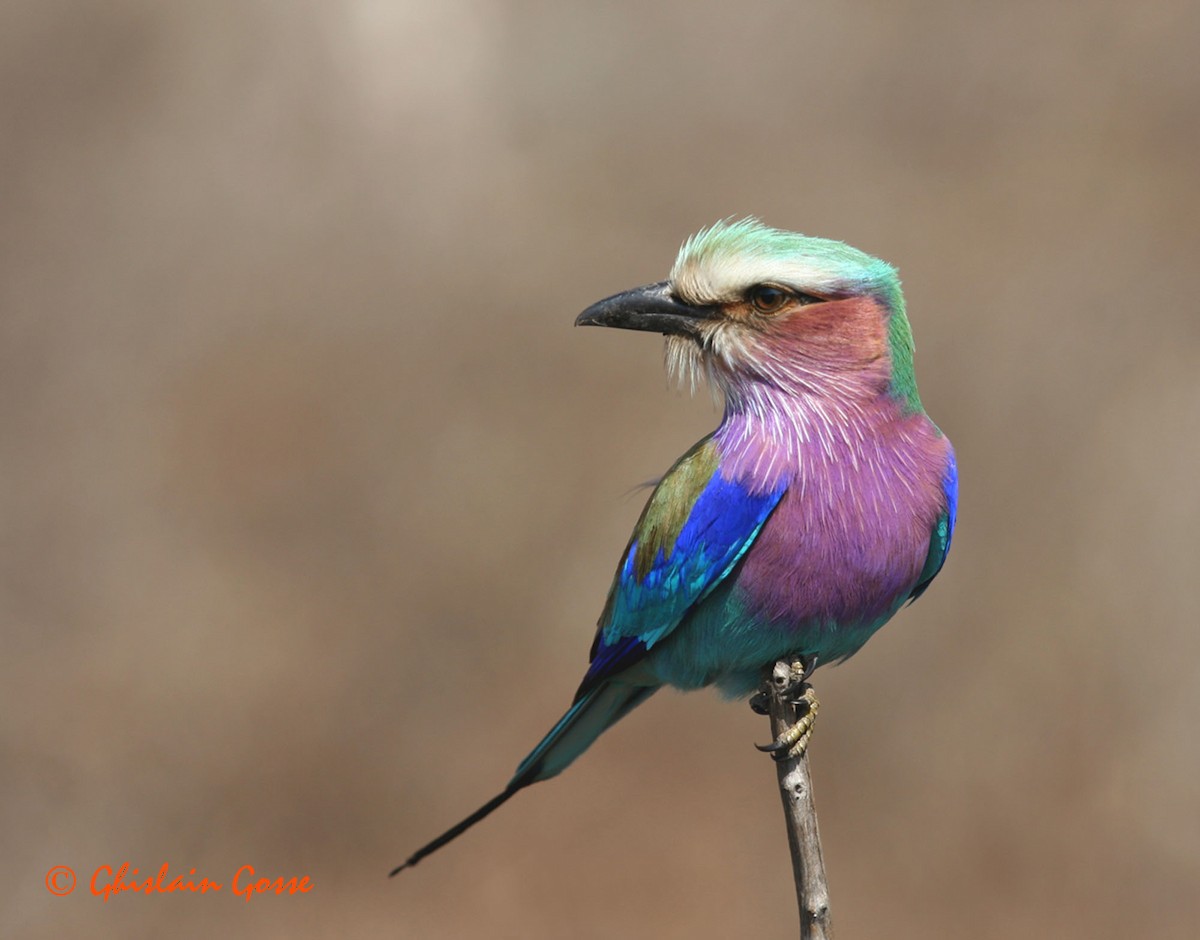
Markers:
<point>800,814</point>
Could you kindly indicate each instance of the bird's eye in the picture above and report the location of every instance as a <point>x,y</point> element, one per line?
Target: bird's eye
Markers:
<point>768,299</point>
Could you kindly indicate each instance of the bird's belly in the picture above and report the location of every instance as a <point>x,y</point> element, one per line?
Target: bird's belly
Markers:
<point>819,580</point>
<point>835,565</point>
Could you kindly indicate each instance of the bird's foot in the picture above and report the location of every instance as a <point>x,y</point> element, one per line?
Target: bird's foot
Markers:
<point>794,740</point>
<point>790,685</point>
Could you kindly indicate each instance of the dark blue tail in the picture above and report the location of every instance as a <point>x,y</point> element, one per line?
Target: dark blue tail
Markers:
<point>599,709</point>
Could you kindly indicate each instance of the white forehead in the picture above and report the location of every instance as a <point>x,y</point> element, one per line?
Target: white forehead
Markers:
<point>718,264</point>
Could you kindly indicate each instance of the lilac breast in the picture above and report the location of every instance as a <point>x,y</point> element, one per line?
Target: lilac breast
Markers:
<point>849,540</point>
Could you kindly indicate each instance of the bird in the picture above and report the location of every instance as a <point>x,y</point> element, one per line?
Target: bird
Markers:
<point>822,503</point>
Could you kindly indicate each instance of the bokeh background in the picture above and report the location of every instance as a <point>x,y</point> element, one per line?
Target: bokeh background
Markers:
<point>311,494</point>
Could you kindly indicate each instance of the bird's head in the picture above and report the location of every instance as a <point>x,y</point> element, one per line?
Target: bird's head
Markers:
<point>759,309</point>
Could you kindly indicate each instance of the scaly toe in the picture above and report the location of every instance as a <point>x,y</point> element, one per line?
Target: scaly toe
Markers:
<point>793,742</point>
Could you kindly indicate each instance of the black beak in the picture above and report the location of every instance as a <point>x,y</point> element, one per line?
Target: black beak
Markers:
<point>651,308</point>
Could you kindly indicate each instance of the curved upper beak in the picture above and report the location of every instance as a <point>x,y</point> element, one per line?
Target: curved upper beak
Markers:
<point>651,308</point>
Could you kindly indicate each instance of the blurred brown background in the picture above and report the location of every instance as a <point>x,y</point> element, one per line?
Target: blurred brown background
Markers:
<point>299,446</point>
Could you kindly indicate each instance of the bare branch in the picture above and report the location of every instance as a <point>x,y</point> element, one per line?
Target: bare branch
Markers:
<point>800,814</point>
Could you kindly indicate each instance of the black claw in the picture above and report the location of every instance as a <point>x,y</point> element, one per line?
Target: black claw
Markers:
<point>778,750</point>
<point>794,696</point>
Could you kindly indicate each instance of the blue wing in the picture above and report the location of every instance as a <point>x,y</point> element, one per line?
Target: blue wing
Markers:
<point>943,532</point>
<point>694,529</point>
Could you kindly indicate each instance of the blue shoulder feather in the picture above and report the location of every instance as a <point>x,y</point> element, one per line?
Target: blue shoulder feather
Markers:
<point>646,603</point>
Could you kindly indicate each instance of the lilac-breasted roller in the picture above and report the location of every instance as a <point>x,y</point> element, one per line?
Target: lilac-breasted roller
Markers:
<point>823,502</point>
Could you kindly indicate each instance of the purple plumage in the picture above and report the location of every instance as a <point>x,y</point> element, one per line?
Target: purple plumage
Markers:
<point>850,538</point>
<point>813,408</point>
